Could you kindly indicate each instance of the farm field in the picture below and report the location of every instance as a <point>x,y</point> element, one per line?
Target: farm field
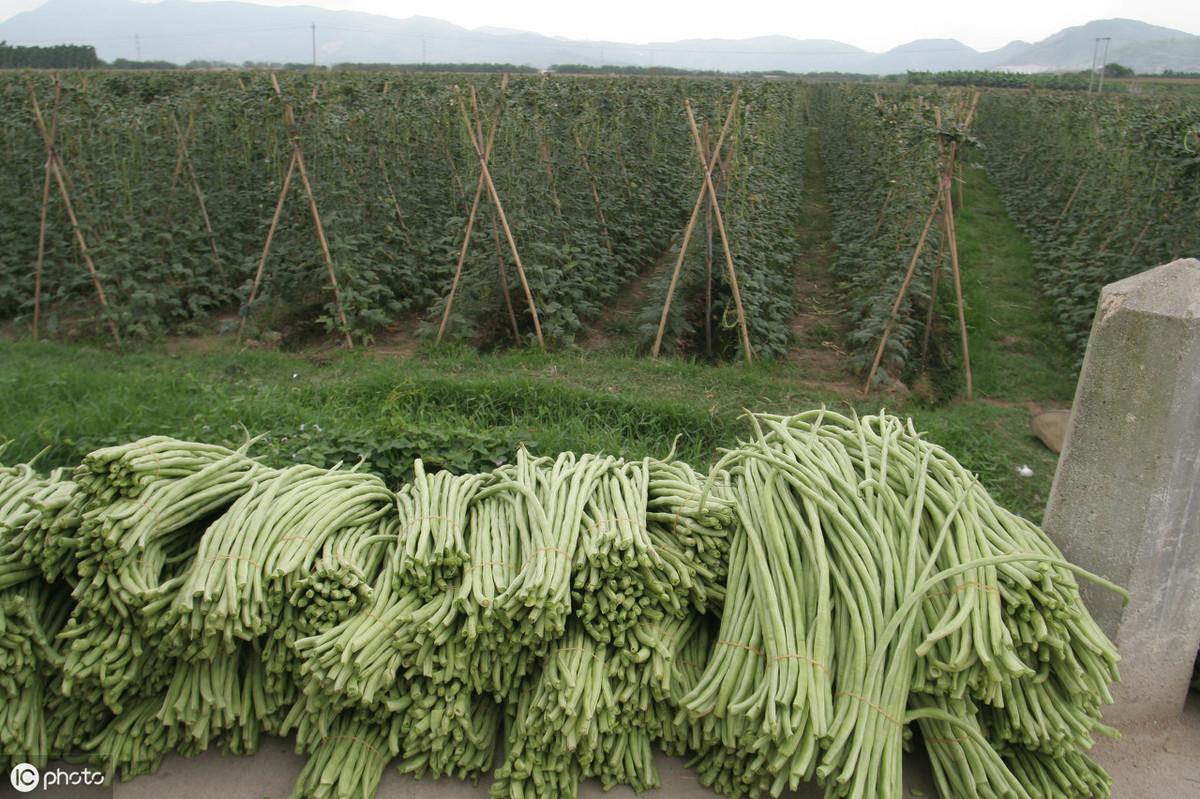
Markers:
<point>564,296</point>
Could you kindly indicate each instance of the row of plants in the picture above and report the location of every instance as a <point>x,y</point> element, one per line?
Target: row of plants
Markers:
<point>1103,187</point>
<point>882,163</point>
<point>1069,81</point>
<point>594,176</point>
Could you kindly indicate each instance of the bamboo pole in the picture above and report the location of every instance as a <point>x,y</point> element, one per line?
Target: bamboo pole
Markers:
<point>933,293</point>
<point>181,146</point>
<point>908,276</point>
<point>952,240</point>
<point>547,162</point>
<point>587,167</point>
<point>512,316</point>
<point>1070,200</point>
<point>716,206</point>
<point>474,210</point>
<point>58,172</point>
<point>1138,241</point>
<point>191,170</point>
<point>289,116</point>
<point>708,258</point>
<point>499,206</point>
<point>41,247</point>
<point>883,211</point>
<point>708,163</point>
<point>387,181</point>
<point>328,256</point>
<point>462,257</point>
<point>262,261</point>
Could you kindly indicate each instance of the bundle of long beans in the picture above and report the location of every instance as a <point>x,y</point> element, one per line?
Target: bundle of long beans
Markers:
<point>833,585</point>
<point>879,570</point>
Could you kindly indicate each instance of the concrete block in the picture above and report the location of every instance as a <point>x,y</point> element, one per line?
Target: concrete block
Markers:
<point>1126,497</point>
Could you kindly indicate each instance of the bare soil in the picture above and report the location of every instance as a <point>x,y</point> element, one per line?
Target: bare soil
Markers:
<point>818,325</point>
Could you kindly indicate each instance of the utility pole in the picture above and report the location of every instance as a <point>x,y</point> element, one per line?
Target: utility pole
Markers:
<point>1104,63</point>
<point>137,46</point>
<point>314,44</point>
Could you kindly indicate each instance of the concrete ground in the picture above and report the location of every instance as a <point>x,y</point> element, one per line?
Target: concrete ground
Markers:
<point>272,771</point>
<point>1147,763</point>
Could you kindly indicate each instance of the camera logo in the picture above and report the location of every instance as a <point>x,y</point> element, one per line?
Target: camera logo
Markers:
<point>25,777</point>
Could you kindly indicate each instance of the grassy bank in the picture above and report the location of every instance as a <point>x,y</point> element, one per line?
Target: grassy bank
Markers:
<point>457,409</point>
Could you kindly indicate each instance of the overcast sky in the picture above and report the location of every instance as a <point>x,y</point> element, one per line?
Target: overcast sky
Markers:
<point>871,24</point>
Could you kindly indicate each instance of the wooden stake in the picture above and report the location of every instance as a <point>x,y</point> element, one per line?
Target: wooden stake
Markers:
<point>933,292</point>
<point>297,164</point>
<point>387,181</point>
<point>180,146</point>
<point>499,206</point>
<point>487,154</point>
<point>512,316</point>
<point>58,172</point>
<point>595,193</point>
<point>316,216</point>
<point>716,206</point>
<point>883,211</point>
<point>708,259</point>
<point>462,257</point>
<point>258,273</point>
<point>958,295</point>
<point>547,163</point>
<point>191,170</point>
<point>908,275</point>
<point>41,247</point>
<point>708,162</point>
<point>1070,200</point>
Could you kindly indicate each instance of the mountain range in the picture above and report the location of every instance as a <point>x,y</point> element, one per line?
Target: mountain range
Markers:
<point>182,31</point>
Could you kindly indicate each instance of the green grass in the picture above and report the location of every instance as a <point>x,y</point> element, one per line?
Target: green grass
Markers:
<point>72,399</point>
<point>1017,352</point>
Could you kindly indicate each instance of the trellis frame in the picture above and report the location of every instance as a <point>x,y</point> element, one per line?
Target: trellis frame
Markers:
<point>708,162</point>
<point>944,201</point>
<point>483,147</point>
<point>54,169</point>
<point>297,164</point>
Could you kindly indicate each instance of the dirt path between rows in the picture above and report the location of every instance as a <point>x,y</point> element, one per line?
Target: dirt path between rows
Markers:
<point>818,324</point>
<point>617,324</point>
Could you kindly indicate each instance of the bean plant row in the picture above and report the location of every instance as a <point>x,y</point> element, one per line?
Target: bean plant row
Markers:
<point>1104,187</point>
<point>596,175</point>
<point>882,161</point>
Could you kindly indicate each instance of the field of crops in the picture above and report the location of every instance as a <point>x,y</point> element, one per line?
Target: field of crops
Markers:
<point>174,180</point>
<point>548,556</point>
<point>1102,186</point>
<point>596,178</point>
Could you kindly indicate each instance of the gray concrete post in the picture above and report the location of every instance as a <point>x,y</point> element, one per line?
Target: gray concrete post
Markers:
<point>1126,496</point>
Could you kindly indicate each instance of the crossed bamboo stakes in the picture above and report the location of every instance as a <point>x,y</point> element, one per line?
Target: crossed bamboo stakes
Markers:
<point>708,162</point>
<point>483,151</point>
<point>482,145</point>
<point>296,164</point>
<point>56,172</point>
<point>943,202</point>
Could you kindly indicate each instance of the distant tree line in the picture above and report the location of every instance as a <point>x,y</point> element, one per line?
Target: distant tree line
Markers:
<point>612,69</point>
<point>59,56</point>
<point>1071,81</point>
<point>384,67</point>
